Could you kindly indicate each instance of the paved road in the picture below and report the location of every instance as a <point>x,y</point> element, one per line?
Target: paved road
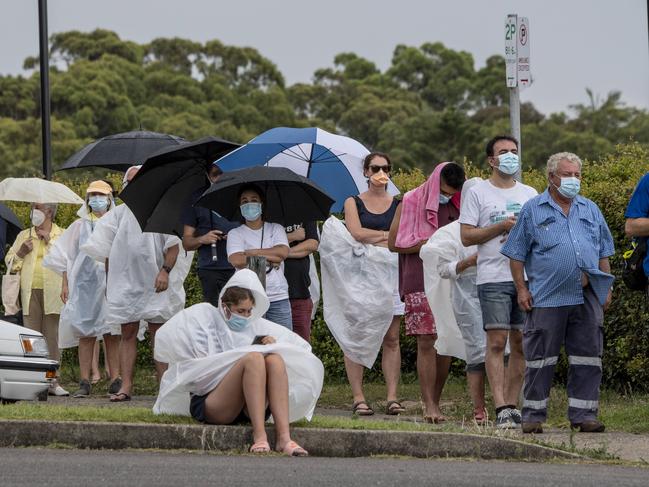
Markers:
<point>52,467</point>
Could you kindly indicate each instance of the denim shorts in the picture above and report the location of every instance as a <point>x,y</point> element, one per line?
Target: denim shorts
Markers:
<point>499,304</point>
<point>280,312</point>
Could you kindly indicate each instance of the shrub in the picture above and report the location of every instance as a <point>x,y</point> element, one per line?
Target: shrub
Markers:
<point>609,182</point>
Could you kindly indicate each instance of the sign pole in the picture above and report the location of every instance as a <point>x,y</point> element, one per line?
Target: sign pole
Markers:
<point>515,122</point>
<point>517,72</point>
<point>45,89</point>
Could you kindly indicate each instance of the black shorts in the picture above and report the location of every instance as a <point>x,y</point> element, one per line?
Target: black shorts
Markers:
<point>197,410</point>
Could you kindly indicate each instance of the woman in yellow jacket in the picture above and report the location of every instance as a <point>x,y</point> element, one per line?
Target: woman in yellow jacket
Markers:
<point>40,288</point>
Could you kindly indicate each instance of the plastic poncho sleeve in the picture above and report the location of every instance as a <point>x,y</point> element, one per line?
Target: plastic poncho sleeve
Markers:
<point>100,242</point>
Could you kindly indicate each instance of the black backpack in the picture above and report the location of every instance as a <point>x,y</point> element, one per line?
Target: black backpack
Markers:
<point>633,273</point>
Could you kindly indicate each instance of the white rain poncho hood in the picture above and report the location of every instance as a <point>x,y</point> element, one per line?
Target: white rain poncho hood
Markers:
<point>200,349</point>
<point>358,281</point>
<point>84,313</point>
<point>453,301</point>
<point>135,258</point>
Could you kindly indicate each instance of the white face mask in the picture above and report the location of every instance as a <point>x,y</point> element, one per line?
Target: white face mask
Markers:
<point>38,217</point>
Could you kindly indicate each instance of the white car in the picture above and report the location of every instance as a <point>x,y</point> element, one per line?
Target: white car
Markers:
<point>25,370</point>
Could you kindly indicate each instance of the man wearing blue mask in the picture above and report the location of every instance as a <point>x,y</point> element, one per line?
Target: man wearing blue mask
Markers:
<point>563,243</point>
<point>489,212</point>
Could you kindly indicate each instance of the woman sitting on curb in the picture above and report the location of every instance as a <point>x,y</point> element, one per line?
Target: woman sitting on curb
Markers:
<point>228,365</point>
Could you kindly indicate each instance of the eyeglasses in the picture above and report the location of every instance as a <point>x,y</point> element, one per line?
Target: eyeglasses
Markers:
<point>376,169</point>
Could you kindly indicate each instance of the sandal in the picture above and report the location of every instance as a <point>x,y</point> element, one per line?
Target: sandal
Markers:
<point>394,408</point>
<point>260,447</point>
<point>292,449</point>
<point>366,411</point>
<point>479,415</point>
<point>120,397</point>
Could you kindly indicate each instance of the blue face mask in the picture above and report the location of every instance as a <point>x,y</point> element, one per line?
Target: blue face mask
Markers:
<point>237,322</point>
<point>250,211</point>
<point>508,163</point>
<point>443,199</point>
<point>569,187</point>
<point>98,203</point>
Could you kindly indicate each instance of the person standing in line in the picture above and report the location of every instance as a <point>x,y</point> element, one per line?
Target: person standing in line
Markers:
<point>488,214</point>
<point>255,237</point>
<point>563,243</point>
<point>458,264</point>
<point>425,209</point>
<point>303,241</point>
<point>40,288</point>
<point>145,274</point>
<point>206,231</point>
<point>367,218</point>
<point>84,288</point>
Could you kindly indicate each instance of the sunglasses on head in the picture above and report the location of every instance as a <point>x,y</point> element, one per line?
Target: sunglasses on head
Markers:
<point>376,169</point>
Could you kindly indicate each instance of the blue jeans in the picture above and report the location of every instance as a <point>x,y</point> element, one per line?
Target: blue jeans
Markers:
<point>280,312</point>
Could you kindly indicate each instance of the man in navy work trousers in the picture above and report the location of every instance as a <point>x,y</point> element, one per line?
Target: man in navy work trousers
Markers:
<point>563,243</point>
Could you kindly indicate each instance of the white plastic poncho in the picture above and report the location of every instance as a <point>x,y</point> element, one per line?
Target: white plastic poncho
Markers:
<point>438,291</point>
<point>135,258</point>
<point>314,288</point>
<point>200,349</point>
<point>358,282</point>
<point>446,243</point>
<point>84,313</point>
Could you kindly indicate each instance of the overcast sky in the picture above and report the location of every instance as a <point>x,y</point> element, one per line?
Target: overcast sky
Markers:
<point>601,44</point>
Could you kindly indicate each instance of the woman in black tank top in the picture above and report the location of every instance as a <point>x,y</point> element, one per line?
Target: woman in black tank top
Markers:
<point>368,217</point>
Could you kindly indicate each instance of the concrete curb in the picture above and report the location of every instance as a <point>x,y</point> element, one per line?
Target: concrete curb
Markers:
<point>319,442</point>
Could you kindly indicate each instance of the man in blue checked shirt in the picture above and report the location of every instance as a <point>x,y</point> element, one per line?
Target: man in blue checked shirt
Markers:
<point>563,243</point>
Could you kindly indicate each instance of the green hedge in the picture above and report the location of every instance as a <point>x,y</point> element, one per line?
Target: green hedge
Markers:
<point>609,182</point>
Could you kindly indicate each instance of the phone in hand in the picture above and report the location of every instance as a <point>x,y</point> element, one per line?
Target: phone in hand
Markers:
<point>258,340</point>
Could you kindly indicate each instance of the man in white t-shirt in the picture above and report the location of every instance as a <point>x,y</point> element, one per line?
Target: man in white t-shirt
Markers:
<point>488,214</point>
<point>258,238</point>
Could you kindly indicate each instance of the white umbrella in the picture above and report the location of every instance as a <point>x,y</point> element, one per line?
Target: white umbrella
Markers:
<point>36,190</point>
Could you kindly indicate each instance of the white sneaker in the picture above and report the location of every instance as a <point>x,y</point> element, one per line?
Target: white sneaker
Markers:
<point>57,390</point>
<point>504,420</point>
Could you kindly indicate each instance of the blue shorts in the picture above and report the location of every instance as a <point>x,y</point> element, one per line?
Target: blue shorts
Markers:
<point>197,410</point>
<point>499,304</point>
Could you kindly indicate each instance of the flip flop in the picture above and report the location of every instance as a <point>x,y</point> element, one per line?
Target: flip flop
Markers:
<point>366,411</point>
<point>394,408</point>
<point>260,447</point>
<point>120,397</point>
<point>292,449</point>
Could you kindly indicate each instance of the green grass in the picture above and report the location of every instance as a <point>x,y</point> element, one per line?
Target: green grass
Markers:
<point>625,413</point>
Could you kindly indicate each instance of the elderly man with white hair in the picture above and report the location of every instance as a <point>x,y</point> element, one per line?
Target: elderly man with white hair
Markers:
<point>145,274</point>
<point>563,243</point>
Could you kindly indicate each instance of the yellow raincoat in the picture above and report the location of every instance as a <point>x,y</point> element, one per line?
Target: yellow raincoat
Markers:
<point>51,280</point>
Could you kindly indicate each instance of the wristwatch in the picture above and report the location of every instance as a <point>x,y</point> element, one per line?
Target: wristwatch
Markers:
<point>167,268</point>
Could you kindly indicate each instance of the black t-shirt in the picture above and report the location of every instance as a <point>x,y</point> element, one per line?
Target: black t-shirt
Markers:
<point>204,220</point>
<point>296,271</point>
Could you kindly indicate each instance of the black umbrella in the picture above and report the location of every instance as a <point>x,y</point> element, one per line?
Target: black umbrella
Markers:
<point>164,186</point>
<point>121,151</point>
<point>289,197</point>
<point>10,227</point>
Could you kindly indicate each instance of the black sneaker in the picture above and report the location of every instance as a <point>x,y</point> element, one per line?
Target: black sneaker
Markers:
<point>84,389</point>
<point>115,386</point>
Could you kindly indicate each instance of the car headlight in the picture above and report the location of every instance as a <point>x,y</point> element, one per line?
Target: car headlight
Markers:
<point>34,346</point>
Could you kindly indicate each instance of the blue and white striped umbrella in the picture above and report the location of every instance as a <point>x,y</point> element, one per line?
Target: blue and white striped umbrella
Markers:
<point>333,162</point>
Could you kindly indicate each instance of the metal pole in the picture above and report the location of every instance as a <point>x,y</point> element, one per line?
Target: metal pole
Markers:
<point>515,123</point>
<point>45,88</point>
